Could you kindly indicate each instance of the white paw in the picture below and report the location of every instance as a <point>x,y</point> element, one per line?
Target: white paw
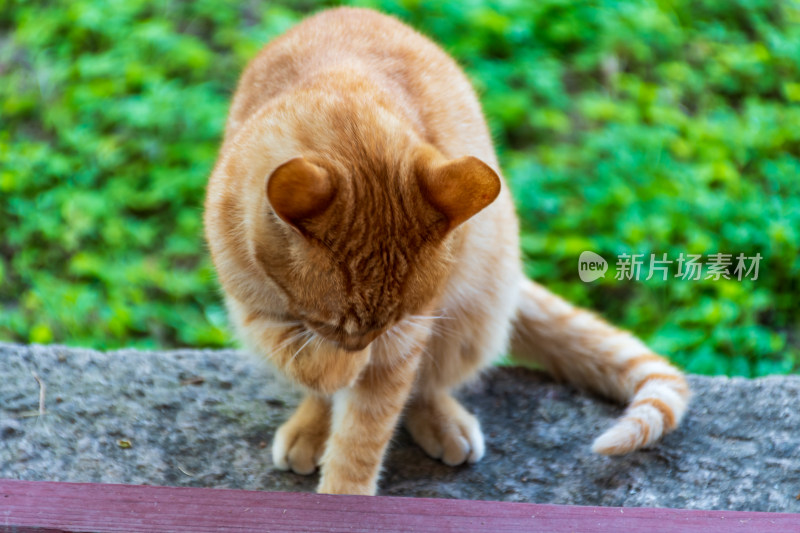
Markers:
<point>447,431</point>
<point>298,449</point>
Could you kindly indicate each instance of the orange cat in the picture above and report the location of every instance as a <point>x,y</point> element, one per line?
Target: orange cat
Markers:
<point>368,247</point>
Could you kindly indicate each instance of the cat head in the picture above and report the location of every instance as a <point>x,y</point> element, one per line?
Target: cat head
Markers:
<point>356,246</point>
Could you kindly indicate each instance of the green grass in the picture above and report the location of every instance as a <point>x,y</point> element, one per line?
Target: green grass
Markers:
<point>624,127</point>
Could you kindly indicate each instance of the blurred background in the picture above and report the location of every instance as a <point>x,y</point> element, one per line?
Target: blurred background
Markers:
<point>644,127</point>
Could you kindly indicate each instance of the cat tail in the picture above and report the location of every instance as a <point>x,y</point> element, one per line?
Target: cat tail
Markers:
<point>577,346</point>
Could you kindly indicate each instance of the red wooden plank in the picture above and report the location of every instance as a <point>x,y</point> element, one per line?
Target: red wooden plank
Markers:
<point>48,506</point>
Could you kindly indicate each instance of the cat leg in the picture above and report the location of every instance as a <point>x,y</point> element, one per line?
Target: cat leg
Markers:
<point>300,442</point>
<point>465,340</point>
<point>444,429</point>
<point>364,419</point>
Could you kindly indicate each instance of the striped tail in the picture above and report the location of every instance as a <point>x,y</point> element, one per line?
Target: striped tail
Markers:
<point>576,345</point>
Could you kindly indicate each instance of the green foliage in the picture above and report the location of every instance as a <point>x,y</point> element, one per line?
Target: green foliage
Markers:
<point>623,126</point>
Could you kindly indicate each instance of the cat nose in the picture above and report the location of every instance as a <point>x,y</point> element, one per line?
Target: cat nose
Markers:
<point>354,344</point>
<point>351,327</point>
<point>360,340</point>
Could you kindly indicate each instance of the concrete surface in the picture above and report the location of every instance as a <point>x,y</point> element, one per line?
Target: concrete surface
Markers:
<point>206,418</point>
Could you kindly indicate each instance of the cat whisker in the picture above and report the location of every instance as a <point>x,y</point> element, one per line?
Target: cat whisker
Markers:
<point>423,327</point>
<point>434,324</point>
<point>408,341</point>
<point>431,317</point>
<point>443,331</point>
<point>291,340</point>
<point>311,337</point>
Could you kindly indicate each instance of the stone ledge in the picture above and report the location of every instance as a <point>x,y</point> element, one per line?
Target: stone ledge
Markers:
<point>206,418</point>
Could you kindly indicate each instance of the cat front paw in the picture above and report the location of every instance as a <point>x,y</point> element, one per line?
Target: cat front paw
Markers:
<point>300,443</point>
<point>445,430</point>
<point>332,484</point>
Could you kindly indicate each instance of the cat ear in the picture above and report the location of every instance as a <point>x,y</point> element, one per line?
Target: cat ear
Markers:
<point>299,190</point>
<point>459,188</point>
